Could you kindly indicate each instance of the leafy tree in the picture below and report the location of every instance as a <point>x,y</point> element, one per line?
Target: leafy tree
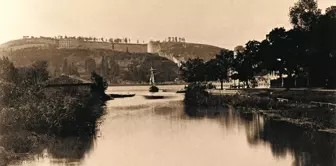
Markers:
<point>41,73</point>
<point>304,14</point>
<point>331,12</point>
<point>193,70</point>
<point>113,69</point>
<point>100,85</point>
<point>247,63</point>
<point>65,67</point>
<point>8,72</point>
<point>218,68</point>
<point>90,65</point>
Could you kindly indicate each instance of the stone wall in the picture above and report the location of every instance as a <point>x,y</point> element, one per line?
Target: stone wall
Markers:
<point>133,48</point>
<point>154,47</point>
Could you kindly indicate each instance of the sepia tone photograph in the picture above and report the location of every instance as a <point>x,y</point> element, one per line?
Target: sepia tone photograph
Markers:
<point>168,83</point>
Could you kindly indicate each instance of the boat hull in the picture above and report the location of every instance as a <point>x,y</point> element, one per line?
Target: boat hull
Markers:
<point>153,97</point>
<point>121,95</point>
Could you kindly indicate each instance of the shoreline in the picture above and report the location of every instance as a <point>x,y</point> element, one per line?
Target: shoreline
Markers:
<point>158,84</point>
<point>297,110</point>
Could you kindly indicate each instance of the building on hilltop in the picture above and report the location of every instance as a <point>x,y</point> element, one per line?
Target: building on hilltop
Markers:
<point>154,47</point>
<point>69,43</point>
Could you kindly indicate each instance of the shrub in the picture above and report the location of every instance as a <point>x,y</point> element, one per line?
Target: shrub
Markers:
<point>63,111</point>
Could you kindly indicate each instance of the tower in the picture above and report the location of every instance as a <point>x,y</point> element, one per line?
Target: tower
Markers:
<point>153,47</point>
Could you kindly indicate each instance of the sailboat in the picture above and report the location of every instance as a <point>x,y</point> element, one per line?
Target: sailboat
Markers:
<point>153,89</point>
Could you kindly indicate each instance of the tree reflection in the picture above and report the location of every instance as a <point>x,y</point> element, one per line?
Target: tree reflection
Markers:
<point>71,148</point>
<point>307,147</point>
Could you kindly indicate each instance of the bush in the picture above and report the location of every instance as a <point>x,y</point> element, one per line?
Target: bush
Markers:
<point>63,111</point>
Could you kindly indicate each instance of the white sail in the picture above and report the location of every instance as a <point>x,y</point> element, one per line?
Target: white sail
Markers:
<point>151,79</point>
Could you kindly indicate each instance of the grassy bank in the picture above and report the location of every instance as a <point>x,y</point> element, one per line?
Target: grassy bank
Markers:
<point>296,110</point>
<point>32,114</point>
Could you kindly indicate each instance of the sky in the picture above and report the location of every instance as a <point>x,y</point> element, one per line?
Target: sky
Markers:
<point>224,23</point>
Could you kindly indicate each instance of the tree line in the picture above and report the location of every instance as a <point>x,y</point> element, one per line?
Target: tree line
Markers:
<point>306,51</point>
<point>88,39</point>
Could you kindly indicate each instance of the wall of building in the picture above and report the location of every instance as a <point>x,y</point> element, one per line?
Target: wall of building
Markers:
<point>69,43</point>
<point>133,48</point>
<point>96,45</point>
<point>154,47</point>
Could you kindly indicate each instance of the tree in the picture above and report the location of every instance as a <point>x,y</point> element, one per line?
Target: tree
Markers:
<point>247,63</point>
<point>65,67</point>
<point>321,59</point>
<point>273,51</point>
<point>100,85</point>
<point>218,68</point>
<point>73,70</point>
<point>90,65</point>
<point>7,70</point>
<point>331,12</point>
<point>304,14</point>
<point>41,73</point>
<point>103,67</point>
<point>112,69</point>
<point>193,70</point>
<point>117,40</point>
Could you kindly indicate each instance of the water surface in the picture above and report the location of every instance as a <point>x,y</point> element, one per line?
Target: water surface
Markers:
<point>140,132</point>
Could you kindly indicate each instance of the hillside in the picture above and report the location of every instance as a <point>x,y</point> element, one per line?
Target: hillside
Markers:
<point>118,67</point>
<point>175,51</point>
<point>185,51</point>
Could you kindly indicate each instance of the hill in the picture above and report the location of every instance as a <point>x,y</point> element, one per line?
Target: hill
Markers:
<point>117,67</point>
<point>185,51</point>
<point>175,51</point>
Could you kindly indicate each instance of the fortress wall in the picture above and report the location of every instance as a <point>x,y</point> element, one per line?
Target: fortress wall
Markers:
<point>96,45</point>
<point>154,47</point>
<point>134,48</point>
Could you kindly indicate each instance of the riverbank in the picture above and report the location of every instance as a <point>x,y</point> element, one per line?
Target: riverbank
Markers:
<point>33,114</point>
<point>291,106</point>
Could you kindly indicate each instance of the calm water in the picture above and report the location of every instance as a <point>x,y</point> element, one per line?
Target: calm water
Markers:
<point>140,132</point>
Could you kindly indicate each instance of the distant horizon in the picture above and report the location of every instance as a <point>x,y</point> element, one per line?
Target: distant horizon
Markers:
<point>224,24</point>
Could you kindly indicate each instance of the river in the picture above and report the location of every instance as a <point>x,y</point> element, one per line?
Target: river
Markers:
<point>140,132</point>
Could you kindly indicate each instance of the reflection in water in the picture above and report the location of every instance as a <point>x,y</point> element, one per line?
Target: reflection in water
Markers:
<point>143,132</point>
<point>71,149</point>
<point>60,151</point>
<point>308,147</point>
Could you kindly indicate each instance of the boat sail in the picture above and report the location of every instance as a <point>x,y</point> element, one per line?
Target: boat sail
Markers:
<point>151,78</point>
<point>153,88</point>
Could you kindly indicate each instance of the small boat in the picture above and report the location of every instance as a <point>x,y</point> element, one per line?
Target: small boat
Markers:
<point>153,97</point>
<point>181,91</point>
<point>153,89</point>
<point>121,95</point>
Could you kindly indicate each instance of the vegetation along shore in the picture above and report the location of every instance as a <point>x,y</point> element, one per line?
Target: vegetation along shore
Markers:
<point>33,114</point>
<point>301,57</point>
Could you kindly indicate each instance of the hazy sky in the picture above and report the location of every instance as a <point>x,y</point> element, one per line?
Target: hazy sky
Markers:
<point>224,23</point>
